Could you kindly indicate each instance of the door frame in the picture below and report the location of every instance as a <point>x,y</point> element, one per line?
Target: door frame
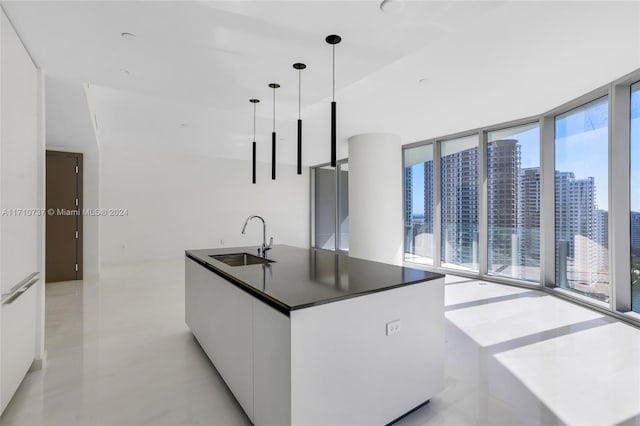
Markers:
<point>79,217</point>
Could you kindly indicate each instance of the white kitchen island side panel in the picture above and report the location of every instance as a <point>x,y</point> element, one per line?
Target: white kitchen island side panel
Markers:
<point>271,366</point>
<point>346,370</point>
<point>219,315</point>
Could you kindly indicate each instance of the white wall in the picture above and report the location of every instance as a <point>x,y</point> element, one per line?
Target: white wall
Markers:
<point>181,201</point>
<point>375,174</point>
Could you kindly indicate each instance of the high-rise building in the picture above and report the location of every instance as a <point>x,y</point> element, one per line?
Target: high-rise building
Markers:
<point>602,227</point>
<point>582,235</point>
<point>529,191</point>
<point>635,230</point>
<point>503,163</point>
<point>602,244</point>
<point>564,224</point>
<point>459,183</point>
<point>428,197</point>
<point>408,210</point>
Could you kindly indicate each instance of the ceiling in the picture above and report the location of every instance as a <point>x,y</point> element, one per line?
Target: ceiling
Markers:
<point>183,83</point>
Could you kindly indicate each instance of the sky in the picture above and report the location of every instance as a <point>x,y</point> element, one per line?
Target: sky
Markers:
<point>581,147</point>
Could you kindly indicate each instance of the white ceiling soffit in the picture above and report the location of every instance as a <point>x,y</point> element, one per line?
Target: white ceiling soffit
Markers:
<point>198,64</point>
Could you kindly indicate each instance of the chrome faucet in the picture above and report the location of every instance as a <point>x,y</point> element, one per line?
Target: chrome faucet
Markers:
<point>263,250</point>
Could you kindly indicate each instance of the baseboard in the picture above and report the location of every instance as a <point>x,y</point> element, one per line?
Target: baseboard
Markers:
<point>39,363</point>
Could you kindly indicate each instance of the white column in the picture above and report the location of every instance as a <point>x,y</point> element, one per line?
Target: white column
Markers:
<point>375,197</point>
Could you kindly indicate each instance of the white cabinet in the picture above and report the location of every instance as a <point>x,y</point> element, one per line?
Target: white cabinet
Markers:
<point>271,366</point>
<point>246,340</point>
<point>220,316</point>
<point>21,234</point>
<point>18,342</point>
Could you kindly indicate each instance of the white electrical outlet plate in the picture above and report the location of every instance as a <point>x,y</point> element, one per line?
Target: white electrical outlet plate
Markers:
<point>393,327</point>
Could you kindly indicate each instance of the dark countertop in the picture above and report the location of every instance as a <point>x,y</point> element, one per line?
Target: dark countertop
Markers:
<point>300,278</point>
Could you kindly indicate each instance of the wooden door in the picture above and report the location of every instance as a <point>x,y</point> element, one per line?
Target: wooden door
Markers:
<point>64,216</point>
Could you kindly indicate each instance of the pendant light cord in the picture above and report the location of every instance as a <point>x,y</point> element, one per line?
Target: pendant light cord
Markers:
<point>299,90</point>
<point>334,72</point>
<point>254,122</point>
<point>274,109</point>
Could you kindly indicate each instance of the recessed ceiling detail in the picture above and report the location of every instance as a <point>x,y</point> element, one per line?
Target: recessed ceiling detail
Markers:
<point>392,7</point>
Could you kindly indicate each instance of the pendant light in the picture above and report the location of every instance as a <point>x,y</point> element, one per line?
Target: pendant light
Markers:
<point>333,40</point>
<point>299,66</point>
<point>253,158</point>
<point>274,86</point>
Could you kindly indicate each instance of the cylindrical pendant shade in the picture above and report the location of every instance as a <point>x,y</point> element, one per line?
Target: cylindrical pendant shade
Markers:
<point>333,134</point>
<point>299,147</point>
<point>299,66</point>
<point>274,86</point>
<point>253,165</point>
<point>273,155</point>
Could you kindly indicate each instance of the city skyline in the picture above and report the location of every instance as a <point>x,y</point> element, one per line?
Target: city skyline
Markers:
<point>581,191</point>
<point>581,228</point>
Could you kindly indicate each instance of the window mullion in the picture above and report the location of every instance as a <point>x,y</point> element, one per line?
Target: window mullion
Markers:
<point>619,203</point>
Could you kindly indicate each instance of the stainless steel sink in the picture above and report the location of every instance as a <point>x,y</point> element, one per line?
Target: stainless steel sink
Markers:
<point>240,259</point>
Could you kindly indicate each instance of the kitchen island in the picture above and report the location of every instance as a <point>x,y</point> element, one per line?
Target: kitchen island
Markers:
<point>312,337</point>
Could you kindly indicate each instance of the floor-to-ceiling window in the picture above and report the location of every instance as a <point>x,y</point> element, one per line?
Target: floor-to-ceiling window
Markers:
<point>581,200</point>
<point>331,206</point>
<point>418,204</point>
<point>537,197</point>
<point>635,197</point>
<point>459,202</point>
<point>513,202</point>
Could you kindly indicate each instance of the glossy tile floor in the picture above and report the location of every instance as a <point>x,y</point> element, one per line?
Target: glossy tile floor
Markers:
<point>120,354</point>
